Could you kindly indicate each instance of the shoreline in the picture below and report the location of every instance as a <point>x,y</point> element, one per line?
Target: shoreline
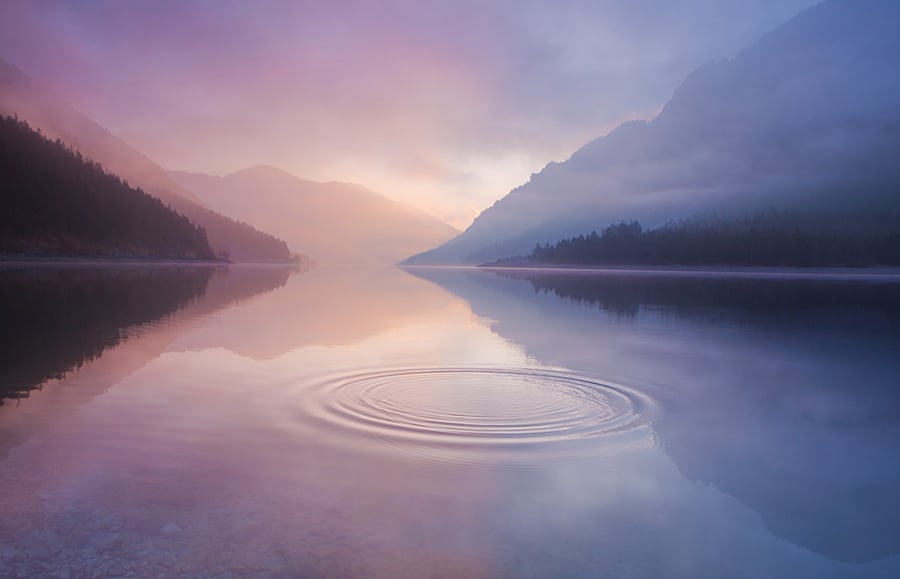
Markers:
<point>7,262</point>
<point>773,272</point>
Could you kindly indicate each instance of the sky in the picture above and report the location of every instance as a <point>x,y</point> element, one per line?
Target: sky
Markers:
<point>446,105</point>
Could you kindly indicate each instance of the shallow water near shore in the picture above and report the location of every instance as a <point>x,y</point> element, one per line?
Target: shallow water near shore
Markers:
<point>264,422</point>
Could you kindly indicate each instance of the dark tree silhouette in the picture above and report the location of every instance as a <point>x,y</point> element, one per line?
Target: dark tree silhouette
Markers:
<point>769,239</point>
<point>54,202</point>
<point>56,319</point>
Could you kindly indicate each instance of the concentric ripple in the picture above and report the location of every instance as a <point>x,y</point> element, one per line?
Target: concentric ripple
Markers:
<point>482,415</point>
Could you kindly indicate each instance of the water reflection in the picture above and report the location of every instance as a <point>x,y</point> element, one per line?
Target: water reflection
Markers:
<point>482,416</point>
<point>74,331</point>
<point>345,423</point>
<point>54,319</point>
<point>872,302</point>
<point>780,392</point>
<point>323,306</point>
<point>187,465</point>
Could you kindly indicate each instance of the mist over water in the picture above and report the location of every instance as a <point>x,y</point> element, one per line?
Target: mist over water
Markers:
<point>340,422</point>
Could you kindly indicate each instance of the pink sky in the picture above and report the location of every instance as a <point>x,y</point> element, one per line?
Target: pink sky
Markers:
<point>445,105</point>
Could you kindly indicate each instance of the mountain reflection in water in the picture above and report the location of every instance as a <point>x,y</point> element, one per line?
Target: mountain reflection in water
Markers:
<point>255,421</point>
<point>780,391</point>
<point>56,318</point>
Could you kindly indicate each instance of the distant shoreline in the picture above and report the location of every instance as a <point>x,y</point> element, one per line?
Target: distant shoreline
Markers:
<point>14,261</point>
<point>888,273</point>
<point>774,272</point>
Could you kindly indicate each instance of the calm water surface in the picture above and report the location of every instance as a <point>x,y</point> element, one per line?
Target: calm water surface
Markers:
<point>196,422</point>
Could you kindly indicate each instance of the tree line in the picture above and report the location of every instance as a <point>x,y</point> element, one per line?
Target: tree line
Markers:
<point>55,202</point>
<point>771,239</point>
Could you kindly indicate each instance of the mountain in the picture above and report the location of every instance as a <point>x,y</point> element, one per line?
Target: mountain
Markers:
<point>807,118</point>
<point>58,203</point>
<point>28,100</point>
<point>341,221</point>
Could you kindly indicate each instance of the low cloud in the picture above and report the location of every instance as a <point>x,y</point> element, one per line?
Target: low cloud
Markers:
<point>316,88</point>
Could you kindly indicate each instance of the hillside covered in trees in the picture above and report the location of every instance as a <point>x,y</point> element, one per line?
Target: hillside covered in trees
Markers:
<point>56,203</point>
<point>46,112</point>
<point>769,239</point>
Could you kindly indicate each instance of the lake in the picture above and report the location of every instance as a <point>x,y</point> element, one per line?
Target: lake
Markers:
<point>177,421</point>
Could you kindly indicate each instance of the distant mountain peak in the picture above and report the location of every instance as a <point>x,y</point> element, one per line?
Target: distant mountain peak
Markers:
<point>806,117</point>
<point>262,170</point>
<point>335,221</point>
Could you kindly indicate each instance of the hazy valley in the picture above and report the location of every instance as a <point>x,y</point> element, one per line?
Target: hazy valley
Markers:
<point>345,223</point>
<point>272,305</point>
